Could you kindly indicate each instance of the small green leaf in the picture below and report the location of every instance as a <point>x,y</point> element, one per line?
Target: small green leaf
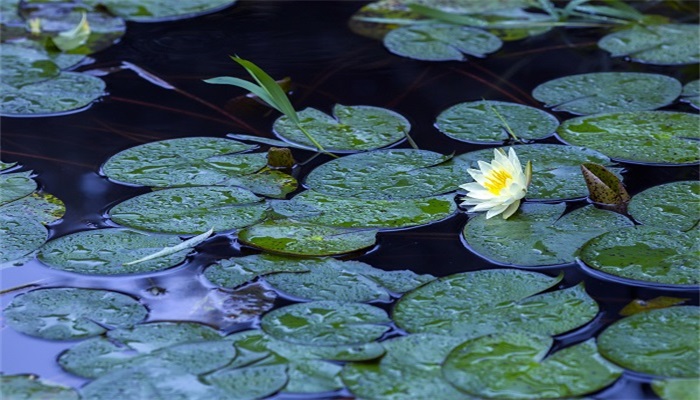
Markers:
<point>280,157</point>
<point>676,389</point>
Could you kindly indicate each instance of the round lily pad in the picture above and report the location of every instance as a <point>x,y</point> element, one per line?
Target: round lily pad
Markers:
<point>647,254</point>
<point>253,382</point>
<point>676,389</point>
<point>68,92</point>
<point>409,370</point>
<point>672,205</point>
<point>20,235</point>
<point>326,323</point>
<point>351,128</point>
<point>477,303</point>
<point>659,342</point>
<point>645,137</point>
<point>556,169</point>
<point>387,174</point>
<point>299,238</point>
<point>106,251</point>
<point>604,92</point>
<point>667,44</point>
<point>160,10</point>
<point>43,207</point>
<point>27,387</point>
<point>440,42</point>
<point>23,66</point>
<point>191,210</point>
<point>538,234</point>
<point>69,314</point>
<point>513,366</point>
<point>691,93</point>
<point>15,186</point>
<point>266,182</point>
<point>479,122</point>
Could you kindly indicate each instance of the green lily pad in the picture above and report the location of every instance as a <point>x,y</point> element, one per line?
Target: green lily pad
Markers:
<point>15,186</point>
<point>387,174</point>
<point>513,366</point>
<point>659,342</point>
<point>605,92</point>
<point>20,235</point>
<point>676,389</point>
<point>234,272</point>
<point>106,251</point>
<point>476,122</point>
<point>160,10</point>
<point>556,169</point>
<point>191,210</point>
<point>27,387</point>
<point>313,376</point>
<point>351,128</point>
<point>326,323</point>
<point>21,66</point>
<point>538,234</point>
<point>477,303</point>
<point>68,92</point>
<point>254,382</point>
<point>42,207</point>
<point>68,314</point>
<point>672,205</point>
<point>267,182</point>
<point>344,212</point>
<point>299,238</point>
<point>647,254</point>
<point>691,93</point>
<point>409,370</point>
<point>646,137</point>
<point>440,42</point>
<point>667,44</point>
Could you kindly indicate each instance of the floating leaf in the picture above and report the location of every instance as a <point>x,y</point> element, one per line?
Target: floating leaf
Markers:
<point>513,366</point>
<point>344,212</point>
<point>299,238</point>
<point>605,188</point>
<point>160,10</point>
<point>409,370</point>
<point>267,182</point>
<point>647,254</point>
<point>657,342</point>
<point>18,387</point>
<point>440,42</point>
<point>68,314</point>
<point>15,186</point>
<point>672,205</point>
<point>326,323</point>
<point>234,272</point>
<point>252,382</point>
<point>667,44</point>
<point>20,235</point>
<point>556,169</point>
<point>605,92</point>
<point>280,157</point>
<point>42,207</point>
<point>478,303</point>
<point>313,376</point>
<point>476,122</point>
<point>351,128</point>
<point>676,389</point>
<point>191,210</point>
<point>538,235</point>
<point>23,66</point>
<point>68,92</point>
<point>387,174</point>
<point>637,306</point>
<point>187,244</point>
<point>691,93</point>
<point>647,137</point>
<point>107,252</point>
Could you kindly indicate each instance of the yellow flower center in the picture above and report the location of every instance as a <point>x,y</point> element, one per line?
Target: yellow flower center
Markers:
<point>496,180</point>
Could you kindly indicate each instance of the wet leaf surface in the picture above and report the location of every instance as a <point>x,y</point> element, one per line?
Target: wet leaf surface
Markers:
<point>161,10</point>
<point>29,387</point>
<point>20,235</point>
<point>15,186</point>
<point>667,44</point>
<point>672,206</point>
<point>23,66</point>
<point>43,207</point>
<point>691,93</point>
<point>440,42</point>
<point>676,389</point>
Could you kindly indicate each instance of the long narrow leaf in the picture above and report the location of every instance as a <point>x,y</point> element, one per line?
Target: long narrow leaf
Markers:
<point>249,86</point>
<point>189,243</point>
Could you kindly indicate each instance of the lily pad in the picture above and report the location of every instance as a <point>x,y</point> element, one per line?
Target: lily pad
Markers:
<point>326,323</point>
<point>191,210</point>
<point>69,314</point>
<point>647,254</point>
<point>673,205</point>
<point>658,342</point>
<point>107,251</point>
<point>476,122</point>
<point>322,209</point>
<point>351,128</point>
<point>667,44</point>
<point>299,238</point>
<point>440,42</point>
<point>556,169</point>
<point>20,235</point>
<point>252,382</point>
<point>513,366</point>
<point>645,137</point>
<point>478,303</point>
<point>604,92</point>
<point>387,174</point>
<point>691,93</point>
<point>40,206</point>
<point>160,10</point>
<point>409,370</point>
<point>22,66</point>
<point>538,234</point>
<point>21,387</point>
<point>267,182</point>
<point>68,92</point>
<point>676,389</point>
<point>15,186</point>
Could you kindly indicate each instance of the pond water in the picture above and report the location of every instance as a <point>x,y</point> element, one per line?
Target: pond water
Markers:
<point>328,64</point>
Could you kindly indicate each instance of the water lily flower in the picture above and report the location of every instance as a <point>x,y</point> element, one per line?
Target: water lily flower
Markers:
<point>498,186</point>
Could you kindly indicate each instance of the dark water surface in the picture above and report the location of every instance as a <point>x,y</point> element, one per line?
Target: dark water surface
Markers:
<point>311,43</point>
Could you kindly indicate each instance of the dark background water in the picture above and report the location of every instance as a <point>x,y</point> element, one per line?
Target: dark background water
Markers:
<point>328,64</point>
